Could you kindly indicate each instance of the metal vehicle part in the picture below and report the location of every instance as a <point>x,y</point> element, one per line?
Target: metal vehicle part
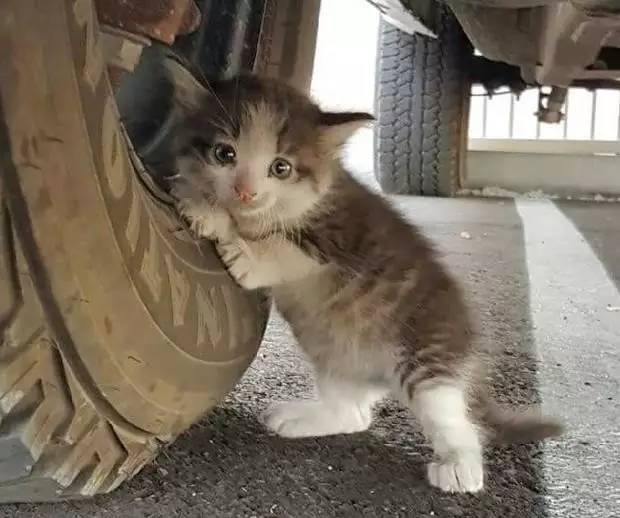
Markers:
<point>558,43</point>
<point>550,105</point>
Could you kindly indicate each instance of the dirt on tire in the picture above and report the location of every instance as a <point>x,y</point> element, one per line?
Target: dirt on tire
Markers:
<point>118,330</point>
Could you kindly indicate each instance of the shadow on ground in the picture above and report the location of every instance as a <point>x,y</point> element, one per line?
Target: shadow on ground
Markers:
<point>599,224</point>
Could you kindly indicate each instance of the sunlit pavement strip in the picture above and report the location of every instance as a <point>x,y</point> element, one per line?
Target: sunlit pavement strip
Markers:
<point>579,372</point>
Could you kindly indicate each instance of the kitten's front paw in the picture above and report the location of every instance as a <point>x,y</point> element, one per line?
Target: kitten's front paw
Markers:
<point>238,264</point>
<point>463,475</point>
<point>205,220</point>
<point>217,226</point>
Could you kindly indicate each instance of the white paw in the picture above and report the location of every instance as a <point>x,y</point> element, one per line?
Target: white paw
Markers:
<point>205,220</point>
<point>216,225</point>
<point>464,475</point>
<point>238,264</point>
<point>292,419</point>
<point>295,419</point>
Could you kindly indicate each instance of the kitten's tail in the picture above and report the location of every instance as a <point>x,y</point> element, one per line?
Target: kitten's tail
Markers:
<point>509,426</point>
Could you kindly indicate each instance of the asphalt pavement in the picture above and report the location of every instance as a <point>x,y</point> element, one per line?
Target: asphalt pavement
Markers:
<point>543,278</point>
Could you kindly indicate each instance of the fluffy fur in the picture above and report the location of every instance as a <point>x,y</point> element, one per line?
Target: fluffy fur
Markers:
<point>362,290</point>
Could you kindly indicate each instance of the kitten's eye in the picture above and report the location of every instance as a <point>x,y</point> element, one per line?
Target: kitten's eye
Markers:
<point>280,169</point>
<point>225,154</point>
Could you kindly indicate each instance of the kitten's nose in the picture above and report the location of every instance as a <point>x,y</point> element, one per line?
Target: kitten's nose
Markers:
<point>244,193</point>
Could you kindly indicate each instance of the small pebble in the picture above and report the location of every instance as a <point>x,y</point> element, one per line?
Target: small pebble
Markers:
<point>465,235</point>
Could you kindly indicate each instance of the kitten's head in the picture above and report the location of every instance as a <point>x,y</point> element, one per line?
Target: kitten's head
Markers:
<point>255,146</point>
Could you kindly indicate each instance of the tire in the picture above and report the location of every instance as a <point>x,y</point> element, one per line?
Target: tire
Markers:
<point>118,331</point>
<point>287,41</point>
<point>422,105</point>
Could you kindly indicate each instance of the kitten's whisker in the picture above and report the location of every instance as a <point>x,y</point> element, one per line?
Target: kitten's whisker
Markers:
<point>237,94</point>
<point>207,84</point>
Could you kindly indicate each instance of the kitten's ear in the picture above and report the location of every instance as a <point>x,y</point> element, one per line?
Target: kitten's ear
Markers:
<point>337,127</point>
<point>189,93</point>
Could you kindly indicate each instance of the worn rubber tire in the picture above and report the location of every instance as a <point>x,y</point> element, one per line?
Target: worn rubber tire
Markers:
<point>287,41</point>
<point>422,103</point>
<point>118,331</point>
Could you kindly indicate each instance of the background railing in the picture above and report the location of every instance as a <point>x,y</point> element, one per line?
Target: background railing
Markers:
<point>590,115</point>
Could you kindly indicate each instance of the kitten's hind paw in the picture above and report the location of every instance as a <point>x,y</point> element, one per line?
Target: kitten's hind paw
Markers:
<point>294,419</point>
<point>463,475</point>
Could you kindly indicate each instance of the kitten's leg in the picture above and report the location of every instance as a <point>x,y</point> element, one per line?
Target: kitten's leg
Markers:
<point>264,263</point>
<point>342,407</point>
<point>441,407</point>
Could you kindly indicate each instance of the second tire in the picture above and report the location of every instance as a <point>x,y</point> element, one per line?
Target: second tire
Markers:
<point>421,103</point>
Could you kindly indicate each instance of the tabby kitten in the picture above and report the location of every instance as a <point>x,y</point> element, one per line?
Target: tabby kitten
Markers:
<point>259,171</point>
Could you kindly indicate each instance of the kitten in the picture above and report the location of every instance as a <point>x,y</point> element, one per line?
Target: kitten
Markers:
<point>375,312</point>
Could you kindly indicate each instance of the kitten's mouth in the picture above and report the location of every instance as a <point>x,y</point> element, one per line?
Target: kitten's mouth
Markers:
<point>248,210</point>
<point>249,207</point>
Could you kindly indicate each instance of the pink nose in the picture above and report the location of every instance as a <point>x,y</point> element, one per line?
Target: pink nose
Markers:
<point>243,193</point>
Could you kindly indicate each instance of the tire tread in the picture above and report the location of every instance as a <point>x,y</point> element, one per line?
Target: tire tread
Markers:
<point>419,96</point>
<point>60,447</point>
